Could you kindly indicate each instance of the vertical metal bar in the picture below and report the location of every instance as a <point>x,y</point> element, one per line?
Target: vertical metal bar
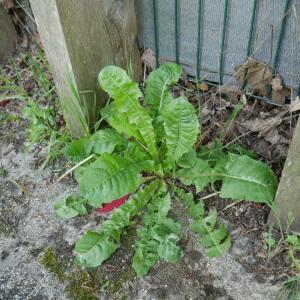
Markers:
<point>221,62</point>
<point>154,7</point>
<point>177,26</point>
<point>250,41</point>
<point>199,39</point>
<point>280,38</point>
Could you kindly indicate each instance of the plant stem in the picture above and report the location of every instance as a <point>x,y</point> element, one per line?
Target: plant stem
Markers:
<point>75,167</point>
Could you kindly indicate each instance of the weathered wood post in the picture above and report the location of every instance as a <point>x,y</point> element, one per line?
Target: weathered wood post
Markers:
<point>8,35</point>
<point>80,38</point>
<point>287,198</point>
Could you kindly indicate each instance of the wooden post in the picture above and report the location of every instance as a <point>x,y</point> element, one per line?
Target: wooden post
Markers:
<point>8,35</point>
<point>80,38</point>
<point>287,198</point>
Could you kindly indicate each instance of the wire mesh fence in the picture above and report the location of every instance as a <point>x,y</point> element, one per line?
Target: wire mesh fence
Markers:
<point>210,38</point>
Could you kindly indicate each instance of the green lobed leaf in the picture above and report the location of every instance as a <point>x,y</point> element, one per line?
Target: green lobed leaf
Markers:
<point>157,93</point>
<point>109,177</point>
<point>94,247</point>
<point>181,128</point>
<point>220,249</point>
<point>168,250</point>
<point>201,174</point>
<point>70,207</point>
<point>248,179</point>
<point>126,94</point>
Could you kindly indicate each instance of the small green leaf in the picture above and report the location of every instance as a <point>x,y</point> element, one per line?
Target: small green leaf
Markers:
<point>206,224</point>
<point>169,251</point>
<point>157,93</point>
<point>79,150</point>
<point>220,249</point>
<point>188,160</point>
<point>215,237</point>
<point>93,248</point>
<point>142,264</point>
<point>196,211</point>
<point>70,207</point>
<point>200,175</point>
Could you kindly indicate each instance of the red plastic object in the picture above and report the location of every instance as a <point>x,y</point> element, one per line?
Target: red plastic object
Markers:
<point>109,207</point>
<point>3,103</point>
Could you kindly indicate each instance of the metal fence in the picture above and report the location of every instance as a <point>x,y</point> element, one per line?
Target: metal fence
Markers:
<point>210,37</point>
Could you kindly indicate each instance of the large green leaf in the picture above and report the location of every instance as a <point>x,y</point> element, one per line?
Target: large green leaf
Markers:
<point>157,93</point>
<point>94,247</point>
<point>70,207</point>
<point>248,179</point>
<point>106,140</point>
<point>79,150</point>
<point>126,94</point>
<point>181,128</point>
<point>108,178</point>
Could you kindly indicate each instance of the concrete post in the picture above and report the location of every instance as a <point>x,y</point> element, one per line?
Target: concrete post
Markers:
<point>8,35</point>
<point>287,198</point>
<point>80,38</point>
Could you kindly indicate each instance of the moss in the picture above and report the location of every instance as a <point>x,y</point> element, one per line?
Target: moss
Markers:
<point>83,286</point>
<point>80,285</point>
<point>52,263</point>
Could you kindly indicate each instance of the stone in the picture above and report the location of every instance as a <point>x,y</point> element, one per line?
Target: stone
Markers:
<point>287,199</point>
<point>8,36</point>
<point>80,38</point>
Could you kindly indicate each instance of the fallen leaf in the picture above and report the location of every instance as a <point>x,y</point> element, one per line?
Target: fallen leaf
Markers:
<point>203,86</point>
<point>295,105</point>
<point>149,59</point>
<point>7,4</point>
<point>276,84</point>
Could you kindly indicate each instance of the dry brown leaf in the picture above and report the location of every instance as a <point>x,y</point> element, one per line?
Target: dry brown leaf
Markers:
<point>203,86</point>
<point>276,84</point>
<point>7,4</point>
<point>295,105</point>
<point>149,59</point>
<point>266,129</point>
<point>259,75</point>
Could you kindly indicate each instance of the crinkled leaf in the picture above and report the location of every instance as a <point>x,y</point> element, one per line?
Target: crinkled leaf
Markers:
<point>220,249</point>
<point>79,150</point>
<point>205,225</point>
<point>214,238</point>
<point>157,93</point>
<point>106,140</point>
<point>196,211</point>
<point>181,128</point>
<point>120,122</point>
<point>70,207</point>
<point>248,179</point>
<point>200,175</point>
<point>188,160</point>
<point>169,251</point>
<point>93,248</point>
<point>126,94</point>
<point>109,177</point>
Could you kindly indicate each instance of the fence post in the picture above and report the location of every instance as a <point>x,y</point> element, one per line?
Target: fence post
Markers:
<point>8,35</point>
<point>287,198</point>
<point>80,38</point>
